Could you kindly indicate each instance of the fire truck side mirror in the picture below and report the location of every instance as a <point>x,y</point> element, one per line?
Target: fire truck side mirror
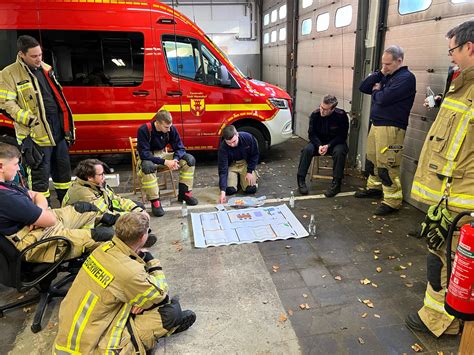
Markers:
<point>223,76</point>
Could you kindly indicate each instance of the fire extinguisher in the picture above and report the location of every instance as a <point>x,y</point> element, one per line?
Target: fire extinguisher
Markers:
<point>459,300</point>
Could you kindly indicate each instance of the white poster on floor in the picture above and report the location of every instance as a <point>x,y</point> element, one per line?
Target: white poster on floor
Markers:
<point>245,226</point>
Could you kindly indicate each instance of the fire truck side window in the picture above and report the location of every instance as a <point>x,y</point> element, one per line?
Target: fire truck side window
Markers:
<point>190,59</point>
<point>95,58</point>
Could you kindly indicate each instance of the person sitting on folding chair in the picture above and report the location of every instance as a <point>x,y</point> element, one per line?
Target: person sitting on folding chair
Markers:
<point>152,139</point>
<point>327,133</point>
<point>90,186</point>
<point>25,217</point>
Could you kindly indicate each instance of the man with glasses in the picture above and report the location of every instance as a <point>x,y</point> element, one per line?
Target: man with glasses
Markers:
<point>446,167</point>
<point>327,133</point>
<point>393,90</point>
<point>237,160</point>
<point>90,186</point>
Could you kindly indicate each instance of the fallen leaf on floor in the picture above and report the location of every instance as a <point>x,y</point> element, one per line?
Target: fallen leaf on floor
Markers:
<point>282,318</point>
<point>391,257</point>
<point>440,353</point>
<point>305,295</point>
<point>262,162</point>
<point>376,316</point>
<point>378,269</point>
<point>304,306</point>
<point>403,276</point>
<point>374,217</point>
<point>26,309</point>
<point>288,246</point>
<point>50,325</point>
<point>338,278</point>
<point>290,312</point>
<point>265,302</point>
<point>275,268</point>
<point>410,264</point>
<point>20,297</point>
<point>386,225</point>
<point>378,231</point>
<point>364,315</point>
<point>376,257</point>
<point>323,276</point>
<point>374,203</point>
<point>368,303</point>
<point>403,267</point>
<point>390,231</point>
<point>361,341</point>
<point>376,251</point>
<point>408,284</point>
<point>417,347</point>
<point>343,328</point>
<point>305,216</point>
<point>365,281</point>
<point>375,285</point>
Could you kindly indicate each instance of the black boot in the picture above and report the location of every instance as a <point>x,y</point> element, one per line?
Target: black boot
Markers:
<point>189,317</point>
<point>334,189</point>
<point>156,208</point>
<point>187,196</point>
<point>369,193</point>
<point>303,189</point>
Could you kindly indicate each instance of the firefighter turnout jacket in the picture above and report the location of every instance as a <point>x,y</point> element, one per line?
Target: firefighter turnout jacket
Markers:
<point>447,153</point>
<point>21,100</point>
<point>95,316</point>
<point>103,197</point>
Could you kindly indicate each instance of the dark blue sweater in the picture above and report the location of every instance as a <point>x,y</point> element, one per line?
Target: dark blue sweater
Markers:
<point>330,129</point>
<point>247,150</point>
<point>146,145</point>
<point>391,104</point>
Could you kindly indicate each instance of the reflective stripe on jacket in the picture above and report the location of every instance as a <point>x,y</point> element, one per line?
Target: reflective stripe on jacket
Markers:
<point>21,100</point>
<point>447,153</point>
<point>97,307</point>
<point>104,198</point>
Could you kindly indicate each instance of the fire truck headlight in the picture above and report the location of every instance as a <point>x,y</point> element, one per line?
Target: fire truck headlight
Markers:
<point>279,103</point>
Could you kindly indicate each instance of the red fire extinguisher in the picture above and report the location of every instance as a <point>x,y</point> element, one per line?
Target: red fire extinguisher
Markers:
<point>460,294</point>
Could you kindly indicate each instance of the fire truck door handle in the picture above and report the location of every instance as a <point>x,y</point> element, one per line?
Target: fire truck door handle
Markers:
<point>174,93</point>
<point>141,93</point>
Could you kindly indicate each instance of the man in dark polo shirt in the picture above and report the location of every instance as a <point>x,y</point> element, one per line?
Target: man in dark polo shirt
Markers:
<point>327,133</point>
<point>237,160</point>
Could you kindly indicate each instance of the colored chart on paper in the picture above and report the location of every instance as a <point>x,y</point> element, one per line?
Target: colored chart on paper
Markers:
<point>245,226</point>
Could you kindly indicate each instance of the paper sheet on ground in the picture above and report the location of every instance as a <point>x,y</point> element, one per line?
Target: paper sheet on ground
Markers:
<point>245,226</point>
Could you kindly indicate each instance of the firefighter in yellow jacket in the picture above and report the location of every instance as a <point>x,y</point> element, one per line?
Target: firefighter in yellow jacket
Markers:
<point>446,165</point>
<point>119,301</point>
<point>31,96</point>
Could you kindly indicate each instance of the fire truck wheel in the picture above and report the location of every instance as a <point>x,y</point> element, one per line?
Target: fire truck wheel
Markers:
<point>262,143</point>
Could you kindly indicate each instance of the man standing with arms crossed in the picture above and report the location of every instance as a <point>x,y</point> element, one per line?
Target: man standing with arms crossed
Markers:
<point>446,167</point>
<point>393,91</point>
<point>32,97</point>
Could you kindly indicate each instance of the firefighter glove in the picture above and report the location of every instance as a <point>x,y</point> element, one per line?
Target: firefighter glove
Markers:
<point>148,167</point>
<point>83,207</point>
<point>435,227</point>
<point>31,152</point>
<point>102,234</point>
<point>33,121</point>
<point>109,219</point>
<point>146,256</point>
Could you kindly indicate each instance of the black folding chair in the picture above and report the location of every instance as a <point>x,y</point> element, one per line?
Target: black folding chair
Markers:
<point>17,273</point>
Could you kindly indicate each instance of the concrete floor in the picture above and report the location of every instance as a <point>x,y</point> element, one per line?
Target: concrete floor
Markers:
<point>243,306</point>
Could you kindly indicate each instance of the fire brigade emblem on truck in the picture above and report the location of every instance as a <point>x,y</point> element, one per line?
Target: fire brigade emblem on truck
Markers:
<point>197,107</point>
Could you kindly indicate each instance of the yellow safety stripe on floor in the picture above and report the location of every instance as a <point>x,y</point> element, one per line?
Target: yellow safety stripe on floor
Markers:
<point>80,320</point>
<point>118,328</point>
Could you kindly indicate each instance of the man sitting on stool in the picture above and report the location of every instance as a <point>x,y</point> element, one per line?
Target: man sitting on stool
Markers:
<point>327,133</point>
<point>237,159</point>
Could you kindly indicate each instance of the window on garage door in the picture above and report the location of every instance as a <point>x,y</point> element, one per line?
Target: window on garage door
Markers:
<point>266,19</point>
<point>410,6</point>
<point>306,26</point>
<point>282,12</point>
<point>343,16</point>
<point>307,3</point>
<point>322,22</point>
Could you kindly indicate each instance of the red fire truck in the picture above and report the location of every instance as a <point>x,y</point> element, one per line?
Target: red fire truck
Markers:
<point>119,62</point>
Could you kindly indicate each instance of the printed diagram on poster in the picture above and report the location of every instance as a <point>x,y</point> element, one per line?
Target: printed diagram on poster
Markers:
<point>245,226</point>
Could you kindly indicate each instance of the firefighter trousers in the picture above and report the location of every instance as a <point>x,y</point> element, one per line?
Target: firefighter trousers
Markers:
<point>236,174</point>
<point>433,313</point>
<point>149,182</point>
<point>55,164</point>
<point>384,155</point>
<point>70,224</point>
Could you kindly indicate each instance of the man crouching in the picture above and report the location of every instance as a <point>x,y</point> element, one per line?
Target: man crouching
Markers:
<point>119,300</point>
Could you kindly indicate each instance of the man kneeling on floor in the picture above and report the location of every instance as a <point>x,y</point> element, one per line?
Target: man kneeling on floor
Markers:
<point>26,219</point>
<point>90,186</point>
<point>237,160</point>
<point>120,296</point>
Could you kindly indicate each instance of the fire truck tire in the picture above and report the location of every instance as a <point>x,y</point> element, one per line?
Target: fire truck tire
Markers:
<point>262,143</point>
